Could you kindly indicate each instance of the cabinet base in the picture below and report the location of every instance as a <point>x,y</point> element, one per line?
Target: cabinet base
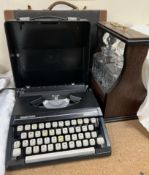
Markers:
<point>119,118</point>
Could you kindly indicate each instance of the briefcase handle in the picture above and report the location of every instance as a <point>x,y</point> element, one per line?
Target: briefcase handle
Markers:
<point>64,3</point>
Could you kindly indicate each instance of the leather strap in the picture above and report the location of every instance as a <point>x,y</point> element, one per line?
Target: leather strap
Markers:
<point>63,2</point>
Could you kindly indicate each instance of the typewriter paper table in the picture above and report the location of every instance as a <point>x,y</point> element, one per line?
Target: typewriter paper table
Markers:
<point>130,156</point>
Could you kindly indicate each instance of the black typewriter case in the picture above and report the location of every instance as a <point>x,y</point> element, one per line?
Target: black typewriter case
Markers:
<point>47,53</point>
<point>49,56</point>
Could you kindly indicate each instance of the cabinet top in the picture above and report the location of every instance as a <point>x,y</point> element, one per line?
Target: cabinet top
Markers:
<point>124,33</point>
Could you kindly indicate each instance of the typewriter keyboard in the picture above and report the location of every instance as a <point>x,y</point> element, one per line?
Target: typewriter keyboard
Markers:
<point>37,142</point>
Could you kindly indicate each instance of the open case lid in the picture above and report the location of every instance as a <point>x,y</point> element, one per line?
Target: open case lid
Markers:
<point>47,53</point>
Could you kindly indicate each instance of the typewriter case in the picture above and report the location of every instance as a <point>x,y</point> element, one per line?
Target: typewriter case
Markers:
<point>48,53</point>
<point>50,57</point>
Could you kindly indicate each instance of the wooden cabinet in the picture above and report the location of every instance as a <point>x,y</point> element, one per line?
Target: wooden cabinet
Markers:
<point>124,99</point>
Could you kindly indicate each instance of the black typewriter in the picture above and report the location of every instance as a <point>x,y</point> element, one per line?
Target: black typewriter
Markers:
<point>56,116</point>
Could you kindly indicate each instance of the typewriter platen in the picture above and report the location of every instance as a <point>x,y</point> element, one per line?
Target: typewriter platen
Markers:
<point>56,116</point>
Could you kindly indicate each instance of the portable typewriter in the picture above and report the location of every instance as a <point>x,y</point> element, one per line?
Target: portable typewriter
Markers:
<point>56,116</point>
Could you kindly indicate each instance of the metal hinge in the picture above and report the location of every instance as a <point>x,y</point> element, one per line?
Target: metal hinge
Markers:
<point>24,18</point>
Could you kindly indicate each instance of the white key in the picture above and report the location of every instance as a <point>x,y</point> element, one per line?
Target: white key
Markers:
<point>44,133</point>
<point>37,133</point>
<point>80,121</point>
<point>94,134</point>
<point>30,135</point>
<point>36,149</point>
<point>67,123</point>
<point>20,128</point>
<point>71,144</point>
<point>16,152</point>
<point>87,135</point>
<point>58,132</point>
<point>84,128</point>
<point>32,142</point>
<point>23,135</point>
<point>58,146</point>
<point>92,142</point>
<point>90,127</point>
<point>39,141</point>
<point>27,127</point>
<point>73,122</point>
<point>41,125</point>
<point>74,136</point>
<point>50,147</point>
<point>71,130</point>
<point>61,138</point>
<point>64,145</point>
<point>65,130</point>
<point>54,124</point>
<point>51,132</point>
<point>54,139</point>
<point>48,125</point>
<point>78,129</point>
<point>80,136</point>
<point>78,143</point>
<point>86,120</point>
<point>28,150</point>
<point>34,126</point>
<point>93,120</point>
<point>43,148</point>
<point>67,138</point>
<point>16,144</point>
<point>100,141</point>
<point>46,140</point>
<point>60,155</point>
<point>25,143</point>
<point>61,123</point>
<point>85,143</point>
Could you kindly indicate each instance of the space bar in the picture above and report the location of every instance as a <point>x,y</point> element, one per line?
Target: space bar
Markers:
<point>59,155</point>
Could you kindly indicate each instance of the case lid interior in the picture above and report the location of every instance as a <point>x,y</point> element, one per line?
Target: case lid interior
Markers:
<point>46,53</point>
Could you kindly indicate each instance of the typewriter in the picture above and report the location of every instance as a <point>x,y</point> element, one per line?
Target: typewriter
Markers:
<point>56,116</point>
